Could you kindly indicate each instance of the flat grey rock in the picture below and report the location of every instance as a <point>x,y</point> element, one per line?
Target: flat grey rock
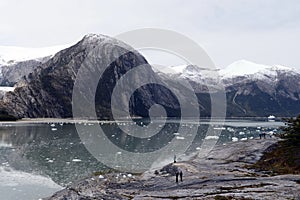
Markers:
<point>221,173</point>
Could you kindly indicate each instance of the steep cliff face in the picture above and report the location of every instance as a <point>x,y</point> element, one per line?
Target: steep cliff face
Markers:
<point>47,92</point>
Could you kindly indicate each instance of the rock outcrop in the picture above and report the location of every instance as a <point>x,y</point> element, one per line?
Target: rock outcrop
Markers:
<point>220,175</point>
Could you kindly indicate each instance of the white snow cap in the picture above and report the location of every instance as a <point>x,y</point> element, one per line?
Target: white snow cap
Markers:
<point>238,68</point>
<point>181,69</point>
<point>244,68</point>
<point>92,36</point>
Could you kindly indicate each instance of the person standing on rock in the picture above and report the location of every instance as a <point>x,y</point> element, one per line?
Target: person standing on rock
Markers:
<point>180,173</point>
<point>177,174</point>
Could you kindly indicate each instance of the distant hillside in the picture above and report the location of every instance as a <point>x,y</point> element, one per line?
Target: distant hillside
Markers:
<point>252,89</point>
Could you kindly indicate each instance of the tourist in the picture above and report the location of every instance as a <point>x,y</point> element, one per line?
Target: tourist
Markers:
<point>180,173</point>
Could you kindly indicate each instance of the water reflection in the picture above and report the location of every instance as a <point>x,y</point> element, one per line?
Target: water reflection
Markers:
<point>57,153</point>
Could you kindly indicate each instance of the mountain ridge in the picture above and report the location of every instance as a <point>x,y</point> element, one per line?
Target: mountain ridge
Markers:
<point>238,68</point>
<point>260,91</point>
<point>263,91</point>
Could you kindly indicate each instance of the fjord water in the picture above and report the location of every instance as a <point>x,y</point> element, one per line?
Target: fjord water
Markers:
<point>37,159</point>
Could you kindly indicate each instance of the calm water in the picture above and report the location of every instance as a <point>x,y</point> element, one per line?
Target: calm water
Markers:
<point>37,159</point>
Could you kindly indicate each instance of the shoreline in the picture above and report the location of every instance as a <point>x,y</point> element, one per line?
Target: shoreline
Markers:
<point>186,120</point>
<point>221,173</point>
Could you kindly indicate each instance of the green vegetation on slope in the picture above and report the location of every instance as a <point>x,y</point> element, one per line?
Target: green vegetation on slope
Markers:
<point>284,157</point>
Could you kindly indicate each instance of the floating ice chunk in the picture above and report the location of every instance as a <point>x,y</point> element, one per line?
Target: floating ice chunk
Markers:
<point>230,129</point>
<point>179,138</point>
<point>52,125</point>
<point>241,133</point>
<point>234,139</point>
<point>50,161</point>
<point>198,148</point>
<point>212,137</point>
<point>53,129</point>
<point>251,138</point>
<point>129,175</point>
<point>124,176</point>
<point>219,128</point>
<point>119,153</point>
<point>176,133</point>
<point>3,144</point>
<point>101,176</point>
<point>76,160</point>
<point>244,139</point>
<point>271,117</point>
<point>5,164</point>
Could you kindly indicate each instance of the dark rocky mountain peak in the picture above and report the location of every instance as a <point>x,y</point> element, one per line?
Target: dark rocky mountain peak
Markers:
<point>47,91</point>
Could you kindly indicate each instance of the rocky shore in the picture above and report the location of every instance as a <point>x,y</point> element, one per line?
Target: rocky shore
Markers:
<point>223,174</point>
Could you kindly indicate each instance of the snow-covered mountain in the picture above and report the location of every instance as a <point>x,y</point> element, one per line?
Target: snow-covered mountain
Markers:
<point>190,72</point>
<point>245,70</point>
<point>199,77</point>
<point>252,89</point>
<point>239,70</point>
<point>17,62</point>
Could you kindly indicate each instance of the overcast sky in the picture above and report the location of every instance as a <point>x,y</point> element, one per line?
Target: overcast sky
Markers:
<point>265,32</point>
